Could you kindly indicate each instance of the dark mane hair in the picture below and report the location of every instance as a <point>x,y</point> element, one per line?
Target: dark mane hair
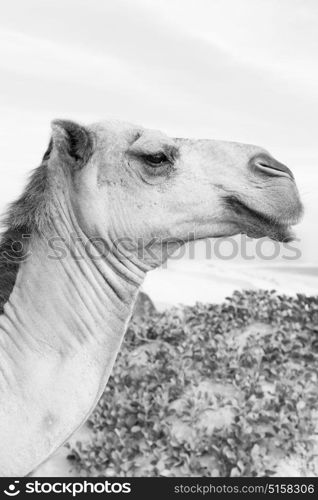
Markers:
<point>28,214</point>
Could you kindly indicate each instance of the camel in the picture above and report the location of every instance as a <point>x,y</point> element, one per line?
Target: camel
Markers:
<point>109,202</point>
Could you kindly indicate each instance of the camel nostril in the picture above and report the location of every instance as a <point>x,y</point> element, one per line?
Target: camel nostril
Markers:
<point>267,165</point>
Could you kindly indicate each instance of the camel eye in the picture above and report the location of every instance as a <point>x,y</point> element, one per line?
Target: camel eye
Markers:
<point>156,160</point>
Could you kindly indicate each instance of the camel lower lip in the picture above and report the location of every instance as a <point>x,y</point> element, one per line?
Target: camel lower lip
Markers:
<point>275,232</point>
<point>259,225</point>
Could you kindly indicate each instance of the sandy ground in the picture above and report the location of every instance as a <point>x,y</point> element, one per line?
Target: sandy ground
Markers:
<point>187,282</point>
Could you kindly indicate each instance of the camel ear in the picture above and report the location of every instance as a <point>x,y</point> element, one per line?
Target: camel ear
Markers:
<point>72,141</point>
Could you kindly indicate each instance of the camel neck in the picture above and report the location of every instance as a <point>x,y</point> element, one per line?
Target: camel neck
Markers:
<point>70,291</point>
<point>59,336</point>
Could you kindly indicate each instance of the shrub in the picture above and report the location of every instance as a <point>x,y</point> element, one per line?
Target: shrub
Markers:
<point>251,361</point>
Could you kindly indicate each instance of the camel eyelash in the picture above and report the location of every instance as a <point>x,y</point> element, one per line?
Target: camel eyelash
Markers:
<point>161,162</point>
<point>157,159</point>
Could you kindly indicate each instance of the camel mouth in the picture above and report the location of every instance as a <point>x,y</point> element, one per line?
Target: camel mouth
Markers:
<point>259,225</point>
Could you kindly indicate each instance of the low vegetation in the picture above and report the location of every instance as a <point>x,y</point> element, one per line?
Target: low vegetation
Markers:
<point>211,390</point>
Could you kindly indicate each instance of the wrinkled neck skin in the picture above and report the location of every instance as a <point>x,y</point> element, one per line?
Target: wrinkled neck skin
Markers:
<point>59,336</point>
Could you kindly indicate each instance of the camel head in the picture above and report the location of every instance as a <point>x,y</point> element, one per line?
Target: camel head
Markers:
<point>139,188</point>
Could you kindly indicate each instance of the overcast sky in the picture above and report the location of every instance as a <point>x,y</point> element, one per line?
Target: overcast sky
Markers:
<point>242,70</point>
